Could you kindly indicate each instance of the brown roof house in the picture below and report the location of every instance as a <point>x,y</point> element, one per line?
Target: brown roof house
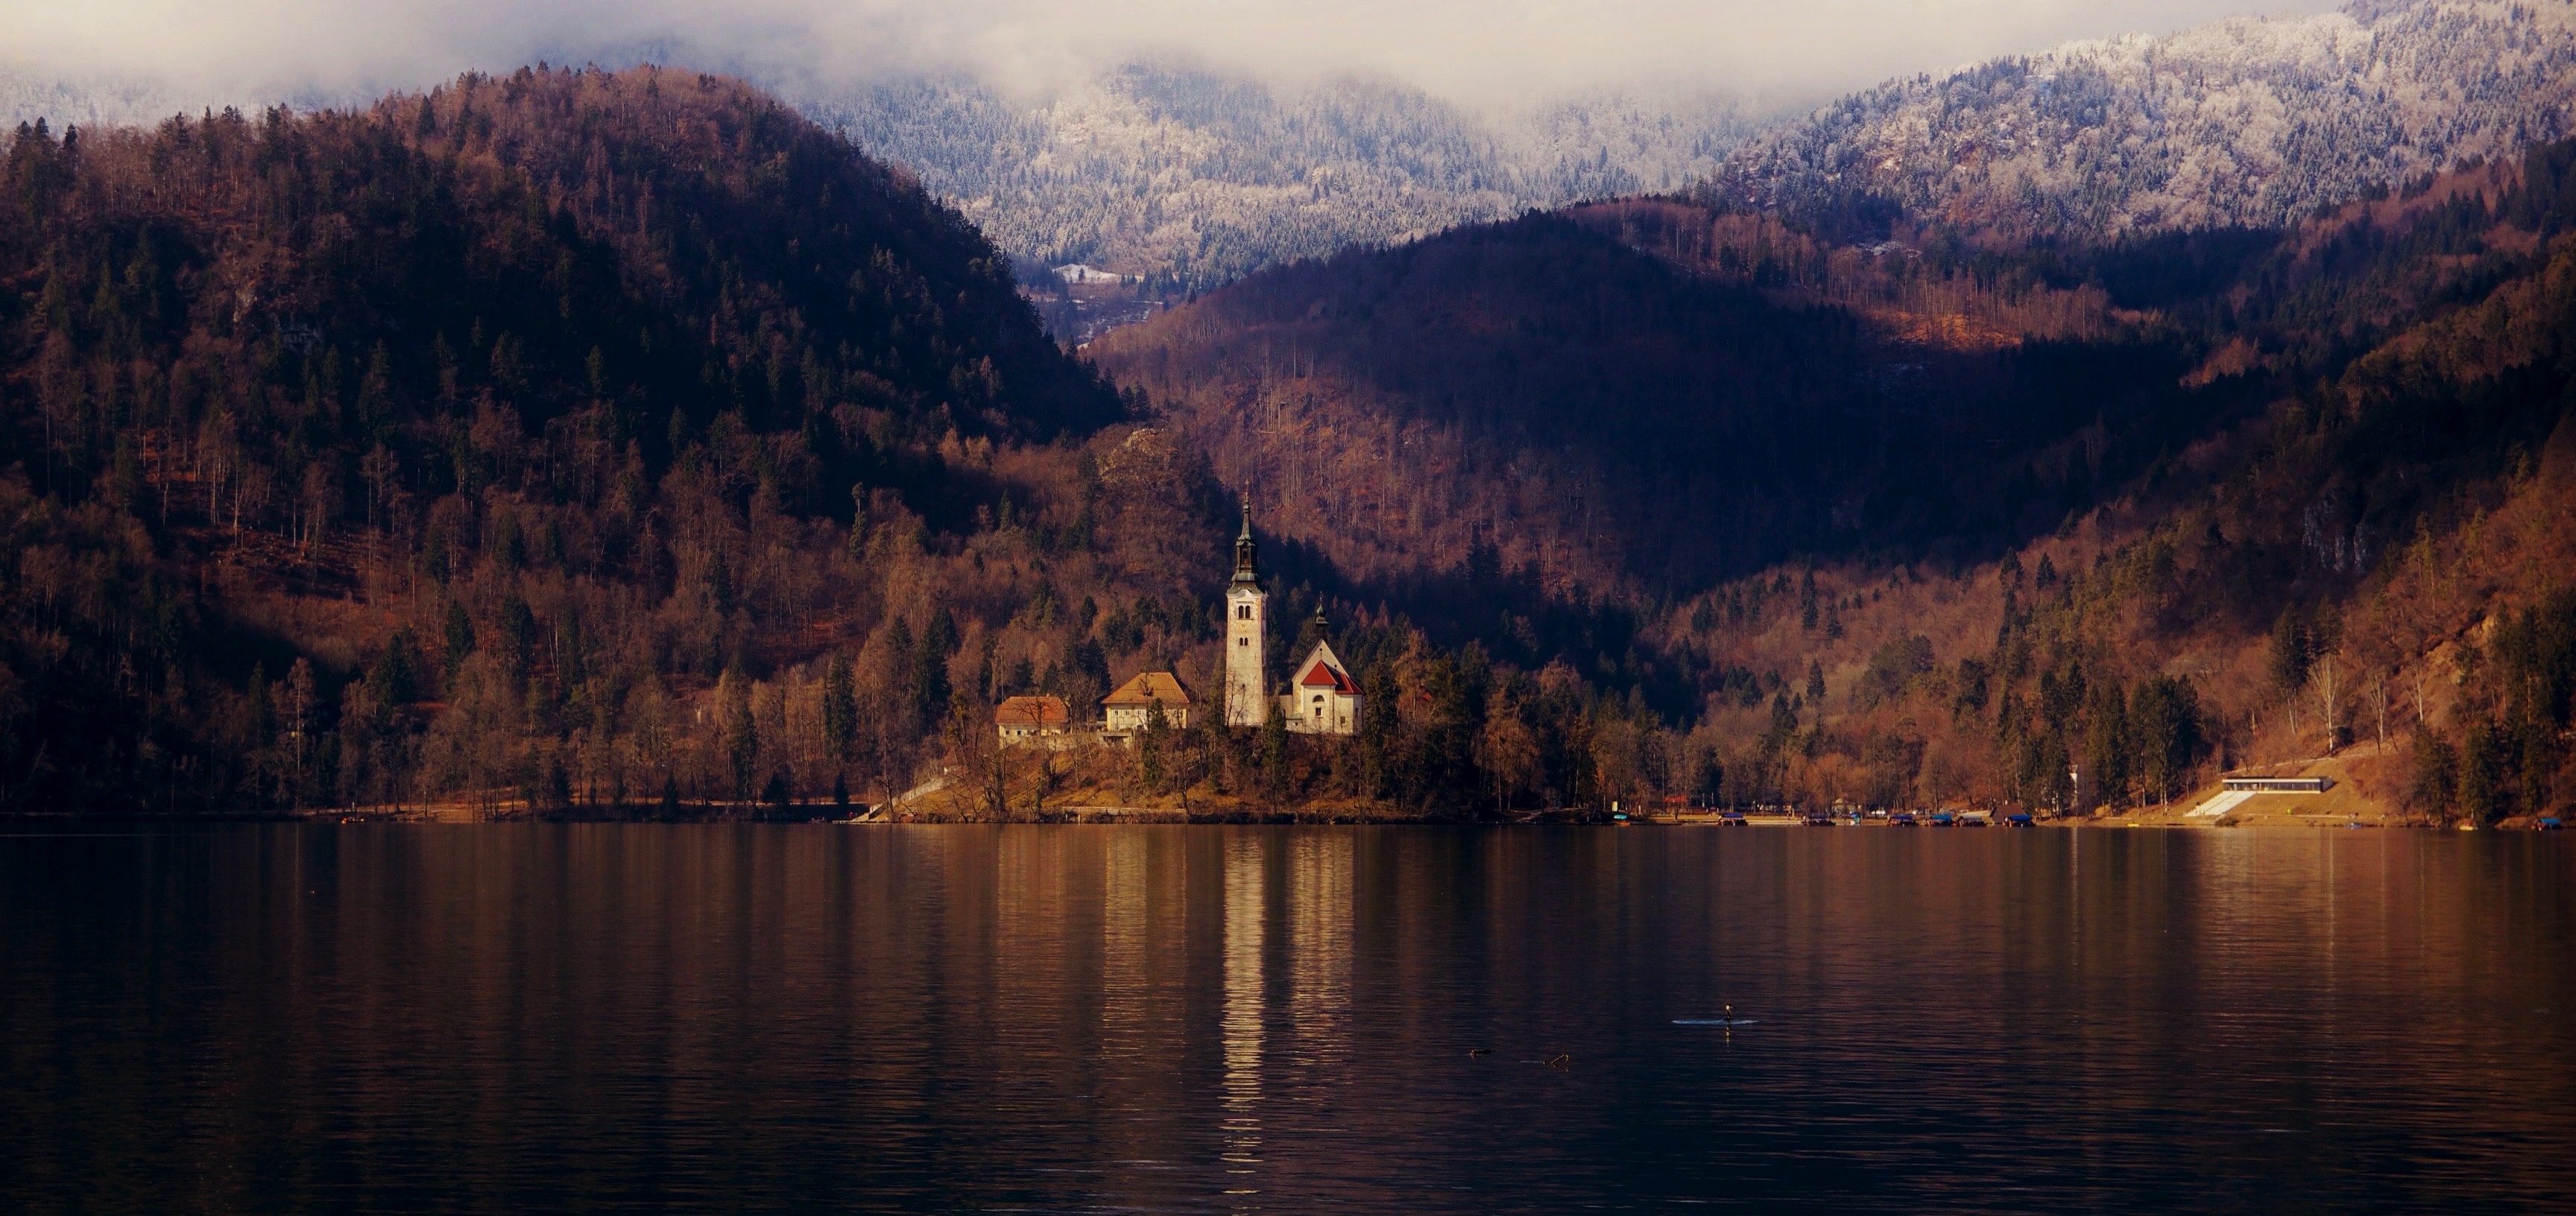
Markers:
<point>1134,702</point>
<point>1026,719</point>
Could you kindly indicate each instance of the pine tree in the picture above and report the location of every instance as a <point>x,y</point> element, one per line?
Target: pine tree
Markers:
<point>2289,653</point>
<point>1274,754</point>
<point>1377,732</point>
<point>2165,729</point>
<point>929,684</point>
<point>2106,747</point>
<point>2482,774</point>
<point>742,733</point>
<point>840,709</point>
<point>459,630</point>
<point>2432,785</point>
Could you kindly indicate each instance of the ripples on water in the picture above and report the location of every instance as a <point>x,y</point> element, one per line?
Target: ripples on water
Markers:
<point>1178,1019</point>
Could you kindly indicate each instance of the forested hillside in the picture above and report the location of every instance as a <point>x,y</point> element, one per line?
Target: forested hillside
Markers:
<point>602,444</point>
<point>1187,177</point>
<point>466,439</point>
<point>2203,499</point>
<point>2372,566</point>
<point>595,443</point>
<point>1610,399</point>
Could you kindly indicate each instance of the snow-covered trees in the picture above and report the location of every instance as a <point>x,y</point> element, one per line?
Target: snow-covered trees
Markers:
<point>1195,178</point>
<point>2242,122</point>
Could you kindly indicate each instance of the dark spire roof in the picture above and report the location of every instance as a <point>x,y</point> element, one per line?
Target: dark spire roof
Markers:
<point>1245,549</point>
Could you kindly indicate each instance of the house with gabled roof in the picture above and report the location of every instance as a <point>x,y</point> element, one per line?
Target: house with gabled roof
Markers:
<point>1322,697</point>
<point>1027,719</point>
<point>1132,706</point>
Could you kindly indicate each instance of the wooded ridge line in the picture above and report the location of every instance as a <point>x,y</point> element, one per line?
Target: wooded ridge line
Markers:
<point>625,440</point>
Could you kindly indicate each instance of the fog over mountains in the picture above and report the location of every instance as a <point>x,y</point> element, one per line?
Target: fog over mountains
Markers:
<point>1189,176</point>
<point>1186,175</point>
<point>1195,177</point>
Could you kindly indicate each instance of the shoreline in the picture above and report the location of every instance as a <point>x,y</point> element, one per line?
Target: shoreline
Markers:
<point>1098,816</point>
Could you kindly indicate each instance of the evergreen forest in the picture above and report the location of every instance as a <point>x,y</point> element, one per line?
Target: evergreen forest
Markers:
<point>625,444</point>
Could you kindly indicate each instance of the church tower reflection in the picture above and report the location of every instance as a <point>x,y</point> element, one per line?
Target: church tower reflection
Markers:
<point>1319,941</point>
<point>1246,933</point>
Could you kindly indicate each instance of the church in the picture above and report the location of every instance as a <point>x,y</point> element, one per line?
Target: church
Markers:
<point>1320,698</point>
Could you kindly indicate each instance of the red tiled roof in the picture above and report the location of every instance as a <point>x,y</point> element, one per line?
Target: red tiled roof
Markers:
<point>1322,675</point>
<point>1031,711</point>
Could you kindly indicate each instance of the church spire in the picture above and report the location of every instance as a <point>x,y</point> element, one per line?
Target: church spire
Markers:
<point>1244,547</point>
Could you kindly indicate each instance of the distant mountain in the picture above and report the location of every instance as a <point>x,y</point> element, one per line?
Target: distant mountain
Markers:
<point>1655,395</point>
<point>1909,524</point>
<point>2247,121</point>
<point>1193,178</point>
<point>1189,178</point>
<point>1646,396</point>
<point>1185,178</point>
<point>585,442</point>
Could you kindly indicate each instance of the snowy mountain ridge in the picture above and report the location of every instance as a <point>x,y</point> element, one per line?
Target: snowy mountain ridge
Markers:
<point>2247,121</point>
<point>1193,177</point>
<point>1186,177</point>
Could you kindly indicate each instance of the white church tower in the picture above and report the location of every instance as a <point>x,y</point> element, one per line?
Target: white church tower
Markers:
<point>1247,614</point>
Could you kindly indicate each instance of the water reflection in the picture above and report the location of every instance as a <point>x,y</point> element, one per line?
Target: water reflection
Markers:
<point>1246,928</point>
<point>1319,944</point>
<point>942,1019</point>
<point>1123,995</point>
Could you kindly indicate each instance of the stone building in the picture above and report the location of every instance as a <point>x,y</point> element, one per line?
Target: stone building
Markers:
<point>1322,697</point>
<point>1029,719</point>
<point>1247,615</point>
<point>1129,708</point>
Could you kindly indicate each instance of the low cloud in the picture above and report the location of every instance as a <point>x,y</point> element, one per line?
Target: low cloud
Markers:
<point>1477,51</point>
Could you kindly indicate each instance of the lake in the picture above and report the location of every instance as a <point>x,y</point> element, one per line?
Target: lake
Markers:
<point>1194,1019</point>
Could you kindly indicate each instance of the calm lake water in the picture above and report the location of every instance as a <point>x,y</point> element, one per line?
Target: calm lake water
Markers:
<point>575,1018</point>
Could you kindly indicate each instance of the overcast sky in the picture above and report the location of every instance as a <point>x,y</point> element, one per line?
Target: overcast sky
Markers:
<point>1478,51</point>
